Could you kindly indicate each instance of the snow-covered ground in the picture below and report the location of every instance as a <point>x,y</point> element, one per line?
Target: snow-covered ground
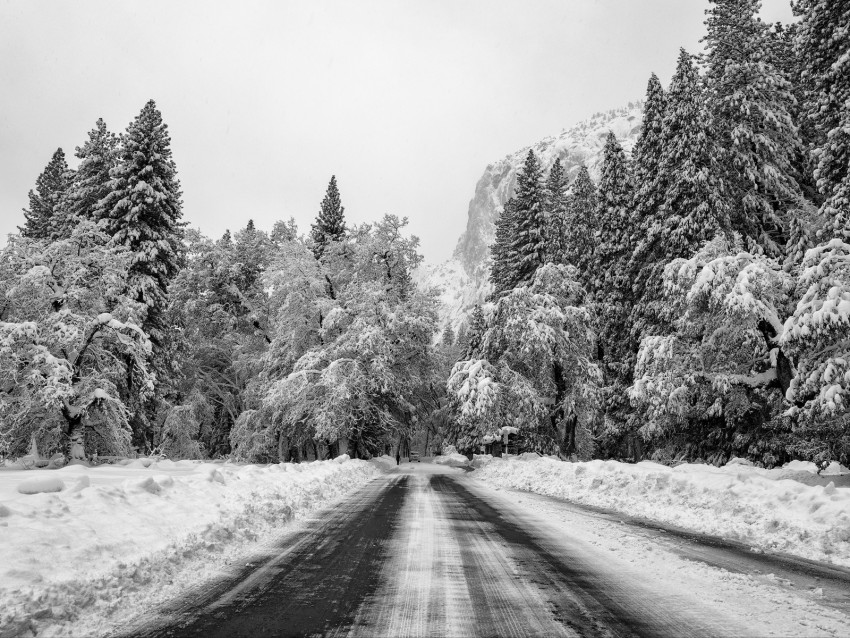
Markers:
<point>772,510</point>
<point>115,539</point>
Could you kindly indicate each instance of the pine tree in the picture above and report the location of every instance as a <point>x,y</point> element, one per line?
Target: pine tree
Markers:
<point>613,244</point>
<point>502,273</point>
<point>694,205</point>
<point>556,213</point>
<point>610,287</point>
<point>330,224</point>
<point>91,183</point>
<point>647,154</point>
<point>143,210</point>
<point>44,216</point>
<point>477,325</point>
<point>821,46</point>
<point>750,102</point>
<point>529,242</point>
<point>580,233</point>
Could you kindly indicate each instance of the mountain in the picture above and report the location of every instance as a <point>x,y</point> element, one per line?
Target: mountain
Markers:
<point>462,280</point>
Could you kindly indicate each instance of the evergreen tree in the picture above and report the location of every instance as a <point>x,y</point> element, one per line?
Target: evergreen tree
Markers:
<point>694,205</point>
<point>330,224</point>
<point>615,221</point>
<point>448,336</point>
<point>142,212</point>
<point>610,287</point>
<point>529,242</point>
<point>647,154</point>
<point>477,325</point>
<point>821,46</point>
<point>45,213</point>
<point>503,276</point>
<point>556,213</point>
<point>751,101</point>
<point>580,233</point>
<point>91,183</point>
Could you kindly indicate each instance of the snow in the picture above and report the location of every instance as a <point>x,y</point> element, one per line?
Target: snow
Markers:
<point>149,526</point>
<point>41,484</point>
<point>774,510</point>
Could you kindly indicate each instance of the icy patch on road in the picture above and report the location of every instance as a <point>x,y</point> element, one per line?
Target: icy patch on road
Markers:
<point>756,506</point>
<point>71,560</point>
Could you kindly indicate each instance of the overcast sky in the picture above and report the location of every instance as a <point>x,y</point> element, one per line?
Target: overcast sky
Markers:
<point>406,102</point>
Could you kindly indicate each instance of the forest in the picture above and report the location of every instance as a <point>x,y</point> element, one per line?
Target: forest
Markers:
<point>693,303</point>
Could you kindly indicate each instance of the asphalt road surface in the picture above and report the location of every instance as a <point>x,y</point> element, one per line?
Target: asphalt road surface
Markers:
<point>429,551</point>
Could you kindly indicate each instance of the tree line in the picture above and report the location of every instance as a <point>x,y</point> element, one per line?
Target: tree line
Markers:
<point>711,268</point>
<point>122,329</point>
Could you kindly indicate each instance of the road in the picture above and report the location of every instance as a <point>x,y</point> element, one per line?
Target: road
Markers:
<point>430,551</point>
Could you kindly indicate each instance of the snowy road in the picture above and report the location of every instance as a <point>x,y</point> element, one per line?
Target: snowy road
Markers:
<point>429,551</point>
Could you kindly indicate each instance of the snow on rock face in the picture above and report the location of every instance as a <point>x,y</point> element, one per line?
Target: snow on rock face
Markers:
<point>749,504</point>
<point>464,278</point>
<point>153,531</point>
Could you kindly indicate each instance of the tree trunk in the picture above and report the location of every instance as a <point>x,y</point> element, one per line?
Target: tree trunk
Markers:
<point>569,444</point>
<point>283,449</point>
<point>76,437</point>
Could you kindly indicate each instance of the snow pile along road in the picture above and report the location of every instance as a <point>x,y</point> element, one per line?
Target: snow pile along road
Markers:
<point>752,505</point>
<point>118,537</point>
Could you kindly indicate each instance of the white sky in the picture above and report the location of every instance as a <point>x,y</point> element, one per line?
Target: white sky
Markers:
<point>406,102</point>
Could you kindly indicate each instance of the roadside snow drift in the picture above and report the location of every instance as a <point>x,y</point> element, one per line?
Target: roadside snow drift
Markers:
<point>756,506</point>
<point>79,544</point>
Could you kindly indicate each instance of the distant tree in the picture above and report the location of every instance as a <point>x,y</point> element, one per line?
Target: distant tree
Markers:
<point>503,273</point>
<point>646,157</point>
<point>615,223</point>
<point>529,242</point>
<point>556,213</point>
<point>448,336</point>
<point>330,223</point>
<point>91,183</point>
<point>580,234</point>
<point>45,215</point>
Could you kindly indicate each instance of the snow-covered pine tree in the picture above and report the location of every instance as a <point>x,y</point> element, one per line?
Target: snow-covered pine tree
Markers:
<point>556,212</point>
<point>143,210</point>
<point>614,215</point>
<point>648,189</point>
<point>98,156</point>
<point>694,205</point>
<point>529,241</point>
<point>751,103</point>
<point>821,46</point>
<point>475,333</point>
<point>45,213</point>
<point>503,274</point>
<point>646,156</point>
<point>610,288</point>
<point>580,233</point>
<point>330,223</point>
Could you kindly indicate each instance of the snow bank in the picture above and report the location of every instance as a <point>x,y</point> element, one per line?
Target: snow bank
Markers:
<point>69,559</point>
<point>756,506</point>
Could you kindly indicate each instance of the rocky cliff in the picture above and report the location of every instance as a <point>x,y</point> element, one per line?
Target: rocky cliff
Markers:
<point>463,279</point>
